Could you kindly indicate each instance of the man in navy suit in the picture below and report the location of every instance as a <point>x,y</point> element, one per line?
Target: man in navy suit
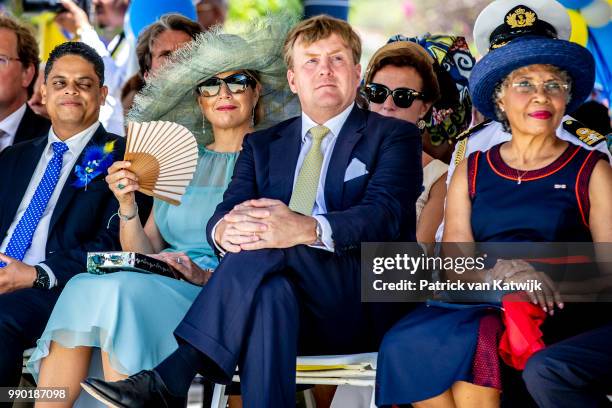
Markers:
<point>303,197</point>
<point>18,70</point>
<point>50,218</point>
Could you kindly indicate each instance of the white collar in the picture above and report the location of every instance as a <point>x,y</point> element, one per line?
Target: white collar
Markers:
<point>75,143</point>
<point>12,121</point>
<point>334,124</point>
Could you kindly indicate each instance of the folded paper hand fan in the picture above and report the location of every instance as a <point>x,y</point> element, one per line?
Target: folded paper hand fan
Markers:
<point>164,156</point>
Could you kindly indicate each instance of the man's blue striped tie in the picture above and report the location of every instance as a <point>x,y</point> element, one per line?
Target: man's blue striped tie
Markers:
<point>24,231</point>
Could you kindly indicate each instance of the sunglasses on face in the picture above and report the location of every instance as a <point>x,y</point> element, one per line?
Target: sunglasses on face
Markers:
<point>236,84</point>
<point>402,97</point>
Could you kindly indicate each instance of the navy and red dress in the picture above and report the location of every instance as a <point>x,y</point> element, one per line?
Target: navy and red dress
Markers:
<point>438,344</point>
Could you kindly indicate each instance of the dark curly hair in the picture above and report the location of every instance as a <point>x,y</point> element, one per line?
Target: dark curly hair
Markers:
<point>82,50</point>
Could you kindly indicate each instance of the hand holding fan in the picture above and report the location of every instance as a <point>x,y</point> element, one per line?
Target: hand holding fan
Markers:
<point>164,156</point>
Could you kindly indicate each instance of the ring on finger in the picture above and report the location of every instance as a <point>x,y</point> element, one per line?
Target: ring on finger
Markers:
<point>179,260</point>
<point>120,186</point>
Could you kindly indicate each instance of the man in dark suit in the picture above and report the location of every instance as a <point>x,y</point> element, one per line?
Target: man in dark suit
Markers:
<point>303,197</point>
<point>18,70</point>
<point>50,214</point>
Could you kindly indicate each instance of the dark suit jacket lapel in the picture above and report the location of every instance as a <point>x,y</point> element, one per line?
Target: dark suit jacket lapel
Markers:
<point>284,153</point>
<point>68,191</point>
<point>347,139</point>
<point>31,126</point>
<point>25,165</point>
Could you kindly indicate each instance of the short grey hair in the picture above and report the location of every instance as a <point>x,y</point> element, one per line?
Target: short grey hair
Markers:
<point>171,21</point>
<point>500,90</point>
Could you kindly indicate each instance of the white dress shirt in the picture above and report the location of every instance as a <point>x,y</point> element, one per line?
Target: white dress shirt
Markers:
<point>118,68</point>
<point>327,147</point>
<point>9,127</point>
<point>35,255</point>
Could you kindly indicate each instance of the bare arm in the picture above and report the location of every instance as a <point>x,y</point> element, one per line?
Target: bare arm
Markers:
<point>600,218</point>
<point>600,196</point>
<point>600,224</point>
<point>457,225</point>
<point>432,212</point>
<point>134,238</point>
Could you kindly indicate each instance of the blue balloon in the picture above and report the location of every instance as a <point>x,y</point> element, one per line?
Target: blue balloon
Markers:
<point>142,13</point>
<point>575,4</point>
<point>601,47</point>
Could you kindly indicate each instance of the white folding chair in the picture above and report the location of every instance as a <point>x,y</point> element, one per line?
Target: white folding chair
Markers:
<point>26,357</point>
<point>351,369</point>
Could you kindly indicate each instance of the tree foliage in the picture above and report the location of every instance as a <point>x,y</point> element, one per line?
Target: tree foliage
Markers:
<point>245,10</point>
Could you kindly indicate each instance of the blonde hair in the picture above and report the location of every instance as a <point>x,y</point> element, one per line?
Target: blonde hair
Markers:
<point>318,28</point>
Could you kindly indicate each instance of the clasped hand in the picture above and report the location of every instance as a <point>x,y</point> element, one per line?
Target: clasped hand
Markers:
<point>519,271</point>
<point>15,275</point>
<point>264,223</point>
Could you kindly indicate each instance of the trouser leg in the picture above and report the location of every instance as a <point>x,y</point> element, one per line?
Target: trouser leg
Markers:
<point>576,372</point>
<point>267,363</point>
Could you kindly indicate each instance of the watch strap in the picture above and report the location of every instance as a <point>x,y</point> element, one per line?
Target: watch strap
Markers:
<point>42,280</point>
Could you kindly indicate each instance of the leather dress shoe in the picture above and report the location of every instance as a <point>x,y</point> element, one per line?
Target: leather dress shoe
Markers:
<point>144,389</point>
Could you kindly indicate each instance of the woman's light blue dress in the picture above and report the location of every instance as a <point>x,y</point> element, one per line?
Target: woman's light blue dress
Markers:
<point>131,315</point>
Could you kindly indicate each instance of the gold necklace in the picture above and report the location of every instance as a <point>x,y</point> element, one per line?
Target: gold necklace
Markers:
<point>519,176</point>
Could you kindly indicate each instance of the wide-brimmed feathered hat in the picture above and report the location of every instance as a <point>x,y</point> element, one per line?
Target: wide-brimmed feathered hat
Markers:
<point>257,46</point>
<point>516,37</point>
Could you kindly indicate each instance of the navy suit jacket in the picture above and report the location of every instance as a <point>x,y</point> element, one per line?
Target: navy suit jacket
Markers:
<point>31,126</point>
<point>376,207</point>
<point>79,220</point>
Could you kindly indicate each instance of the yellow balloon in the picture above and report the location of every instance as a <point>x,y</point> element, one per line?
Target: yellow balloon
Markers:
<point>580,34</point>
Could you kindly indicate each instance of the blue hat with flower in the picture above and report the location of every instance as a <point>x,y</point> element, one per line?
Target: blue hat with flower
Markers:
<point>524,39</point>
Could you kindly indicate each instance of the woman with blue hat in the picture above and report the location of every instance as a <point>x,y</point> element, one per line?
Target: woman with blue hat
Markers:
<point>483,136</point>
<point>534,188</point>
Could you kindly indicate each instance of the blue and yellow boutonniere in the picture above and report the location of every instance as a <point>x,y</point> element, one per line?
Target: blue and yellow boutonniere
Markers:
<point>96,160</point>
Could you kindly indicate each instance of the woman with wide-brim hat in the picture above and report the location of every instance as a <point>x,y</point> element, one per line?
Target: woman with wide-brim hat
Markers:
<point>221,87</point>
<point>534,188</point>
<point>539,188</point>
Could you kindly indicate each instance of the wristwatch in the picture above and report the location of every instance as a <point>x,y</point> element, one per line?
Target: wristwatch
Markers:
<point>42,278</point>
<point>319,232</point>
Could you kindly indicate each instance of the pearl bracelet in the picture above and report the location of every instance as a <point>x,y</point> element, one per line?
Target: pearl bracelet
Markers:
<point>126,217</point>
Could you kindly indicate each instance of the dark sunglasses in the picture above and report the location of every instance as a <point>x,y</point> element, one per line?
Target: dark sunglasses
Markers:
<point>402,97</point>
<point>236,83</point>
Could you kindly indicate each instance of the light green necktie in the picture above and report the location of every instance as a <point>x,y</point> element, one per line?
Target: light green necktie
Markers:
<point>305,190</point>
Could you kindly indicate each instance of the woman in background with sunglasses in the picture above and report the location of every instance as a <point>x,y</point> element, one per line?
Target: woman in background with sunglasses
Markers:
<point>400,82</point>
<point>130,317</point>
